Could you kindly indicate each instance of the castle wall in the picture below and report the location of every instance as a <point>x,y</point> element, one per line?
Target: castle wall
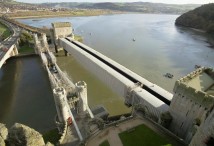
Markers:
<point>189,106</point>
<point>204,132</point>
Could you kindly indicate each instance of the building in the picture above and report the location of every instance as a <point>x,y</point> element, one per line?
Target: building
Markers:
<point>192,107</point>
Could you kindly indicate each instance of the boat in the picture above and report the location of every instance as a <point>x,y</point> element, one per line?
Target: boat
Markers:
<point>35,20</point>
<point>169,75</point>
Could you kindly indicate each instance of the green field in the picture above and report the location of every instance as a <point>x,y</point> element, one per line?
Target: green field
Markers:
<point>105,143</point>
<point>4,31</point>
<point>26,49</point>
<point>142,136</point>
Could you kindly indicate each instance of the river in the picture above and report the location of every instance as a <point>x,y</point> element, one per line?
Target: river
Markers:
<point>26,95</point>
<point>159,47</point>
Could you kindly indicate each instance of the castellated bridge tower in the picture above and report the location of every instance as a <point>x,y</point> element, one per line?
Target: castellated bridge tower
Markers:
<point>61,30</point>
<point>37,43</point>
<point>81,88</point>
<point>61,106</point>
<point>192,107</point>
<point>44,41</point>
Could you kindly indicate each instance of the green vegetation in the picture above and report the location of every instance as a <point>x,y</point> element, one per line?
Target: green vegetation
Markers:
<point>52,136</point>
<point>105,143</point>
<point>26,43</point>
<point>25,49</point>
<point>4,32</point>
<point>25,38</point>
<point>199,18</point>
<point>78,38</point>
<point>142,135</point>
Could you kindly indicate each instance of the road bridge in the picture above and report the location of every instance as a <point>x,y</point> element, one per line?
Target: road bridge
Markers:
<point>136,90</point>
<point>8,47</point>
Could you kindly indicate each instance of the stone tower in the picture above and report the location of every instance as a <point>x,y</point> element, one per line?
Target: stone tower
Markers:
<point>44,41</point>
<point>61,106</point>
<point>61,30</point>
<point>192,103</point>
<point>81,88</point>
<point>37,43</point>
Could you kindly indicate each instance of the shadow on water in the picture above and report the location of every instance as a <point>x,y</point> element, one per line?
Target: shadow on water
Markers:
<point>26,94</point>
<point>7,87</point>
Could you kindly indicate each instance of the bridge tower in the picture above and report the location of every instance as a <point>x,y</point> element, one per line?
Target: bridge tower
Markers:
<point>44,41</point>
<point>192,104</point>
<point>61,106</point>
<point>61,30</point>
<point>37,43</point>
<point>81,88</point>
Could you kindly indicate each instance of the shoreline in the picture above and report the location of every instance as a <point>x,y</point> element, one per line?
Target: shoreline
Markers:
<point>83,15</point>
<point>98,13</point>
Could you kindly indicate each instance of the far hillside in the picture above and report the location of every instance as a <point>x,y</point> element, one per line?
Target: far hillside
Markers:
<point>142,7</point>
<point>200,18</point>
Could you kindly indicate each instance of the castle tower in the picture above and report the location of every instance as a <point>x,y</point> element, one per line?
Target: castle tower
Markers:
<point>37,43</point>
<point>60,102</point>
<point>192,102</point>
<point>205,133</point>
<point>81,88</point>
<point>44,41</point>
<point>61,30</point>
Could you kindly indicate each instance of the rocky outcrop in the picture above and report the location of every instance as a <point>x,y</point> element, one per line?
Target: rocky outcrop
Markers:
<point>3,131</point>
<point>49,144</point>
<point>21,135</point>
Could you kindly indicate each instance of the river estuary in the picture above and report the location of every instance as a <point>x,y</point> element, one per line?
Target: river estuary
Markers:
<point>159,47</point>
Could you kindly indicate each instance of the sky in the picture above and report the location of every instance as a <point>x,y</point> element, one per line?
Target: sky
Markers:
<point>154,1</point>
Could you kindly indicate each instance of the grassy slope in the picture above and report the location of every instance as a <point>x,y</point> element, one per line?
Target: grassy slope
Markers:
<point>4,31</point>
<point>144,136</point>
<point>26,49</point>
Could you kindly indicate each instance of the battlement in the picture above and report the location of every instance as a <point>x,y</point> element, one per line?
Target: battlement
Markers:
<point>201,79</point>
<point>197,86</point>
<point>61,24</point>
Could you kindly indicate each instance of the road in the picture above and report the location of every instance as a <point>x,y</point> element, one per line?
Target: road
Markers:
<point>7,43</point>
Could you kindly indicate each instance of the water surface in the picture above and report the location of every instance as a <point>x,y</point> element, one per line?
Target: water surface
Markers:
<point>160,47</point>
<point>26,95</point>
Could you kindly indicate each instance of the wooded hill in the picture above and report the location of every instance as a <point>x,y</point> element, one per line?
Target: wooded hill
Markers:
<point>199,18</point>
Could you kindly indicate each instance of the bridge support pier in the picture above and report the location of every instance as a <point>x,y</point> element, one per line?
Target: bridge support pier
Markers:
<point>56,50</point>
<point>66,52</point>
